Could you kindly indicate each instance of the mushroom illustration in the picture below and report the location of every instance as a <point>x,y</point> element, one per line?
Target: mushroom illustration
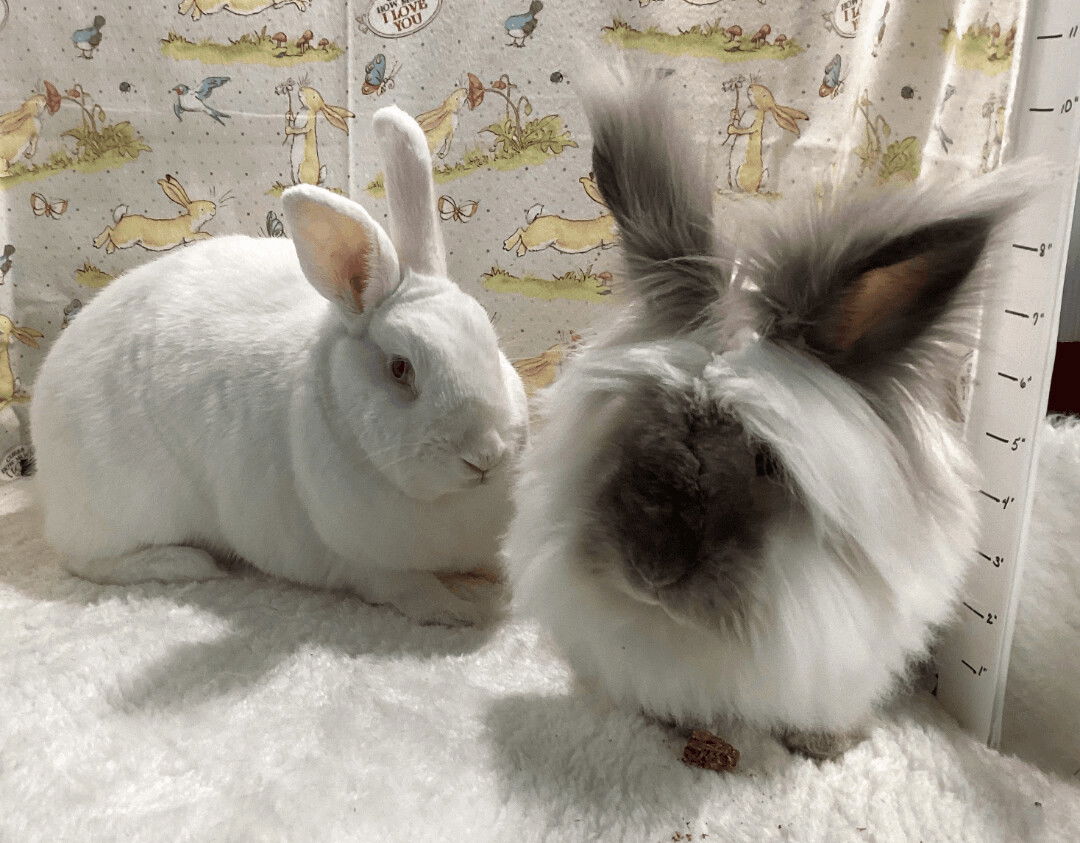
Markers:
<point>324,43</point>
<point>733,32</point>
<point>303,41</point>
<point>762,35</point>
<point>280,39</point>
<point>780,41</point>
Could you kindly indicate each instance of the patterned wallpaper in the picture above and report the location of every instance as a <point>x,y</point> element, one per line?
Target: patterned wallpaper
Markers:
<point>133,128</point>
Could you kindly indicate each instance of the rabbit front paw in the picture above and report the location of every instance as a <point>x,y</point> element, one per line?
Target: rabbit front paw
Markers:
<point>420,596</point>
<point>820,745</point>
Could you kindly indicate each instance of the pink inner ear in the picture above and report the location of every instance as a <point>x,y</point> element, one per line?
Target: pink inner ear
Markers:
<point>877,295</point>
<point>342,250</point>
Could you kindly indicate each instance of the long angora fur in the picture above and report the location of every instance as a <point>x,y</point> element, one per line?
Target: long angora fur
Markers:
<point>751,498</point>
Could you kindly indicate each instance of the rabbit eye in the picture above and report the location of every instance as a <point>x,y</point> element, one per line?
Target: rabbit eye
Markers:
<point>401,370</point>
<point>766,464</point>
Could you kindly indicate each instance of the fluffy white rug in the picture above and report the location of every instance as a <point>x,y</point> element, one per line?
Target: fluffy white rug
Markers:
<point>249,709</point>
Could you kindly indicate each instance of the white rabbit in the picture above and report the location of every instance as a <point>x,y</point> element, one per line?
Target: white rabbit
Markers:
<point>331,409</point>
<point>750,499</point>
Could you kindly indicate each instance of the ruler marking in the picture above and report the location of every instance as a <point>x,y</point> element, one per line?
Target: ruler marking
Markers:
<point>1017,313</point>
<point>998,438</point>
<point>996,500</point>
<point>1009,377</point>
<point>1025,248</point>
<point>1043,109</point>
<point>1046,37</point>
<point>976,611</point>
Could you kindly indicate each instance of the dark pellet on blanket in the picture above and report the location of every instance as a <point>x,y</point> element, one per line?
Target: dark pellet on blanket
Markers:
<point>706,750</point>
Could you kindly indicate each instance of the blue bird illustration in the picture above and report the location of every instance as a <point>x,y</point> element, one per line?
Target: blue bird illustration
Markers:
<point>87,40</point>
<point>376,78</point>
<point>831,83</point>
<point>188,100</point>
<point>520,27</point>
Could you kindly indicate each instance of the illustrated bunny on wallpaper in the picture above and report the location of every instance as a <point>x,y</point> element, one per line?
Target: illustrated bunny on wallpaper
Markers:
<point>159,235</point>
<point>306,166</point>
<point>440,122</point>
<point>198,8</point>
<point>330,408</point>
<point>569,236</point>
<point>751,499</point>
<point>752,170</point>
<point>20,130</point>
<point>9,384</point>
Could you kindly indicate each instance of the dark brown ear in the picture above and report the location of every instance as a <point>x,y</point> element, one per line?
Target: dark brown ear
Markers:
<point>884,301</point>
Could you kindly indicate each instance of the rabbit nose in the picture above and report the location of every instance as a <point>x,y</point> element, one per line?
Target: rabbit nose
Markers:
<point>484,454</point>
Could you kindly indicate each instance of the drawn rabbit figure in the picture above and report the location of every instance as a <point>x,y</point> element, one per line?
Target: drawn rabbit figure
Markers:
<point>752,171</point>
<point>332,408</point>
<point>20,130</point>
<point>9,332</point>
<point>159,235</point>
<point>440,123</point>
<point>302,126</point>
<point>198,8</point>
<point>569,236</point>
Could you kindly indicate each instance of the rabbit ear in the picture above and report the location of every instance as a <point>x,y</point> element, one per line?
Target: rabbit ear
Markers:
<point>860,281</point>
<point>174,191</point>
<point>410,190</point>
<point>343,252</point>
<point>658,187</point>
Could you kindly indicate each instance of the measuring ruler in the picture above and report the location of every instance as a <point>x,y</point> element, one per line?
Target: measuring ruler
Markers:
<point>1013,368</point>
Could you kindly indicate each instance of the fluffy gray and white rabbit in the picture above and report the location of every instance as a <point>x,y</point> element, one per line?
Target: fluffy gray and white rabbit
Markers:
<point>750,498</point>
<point>332,409</point>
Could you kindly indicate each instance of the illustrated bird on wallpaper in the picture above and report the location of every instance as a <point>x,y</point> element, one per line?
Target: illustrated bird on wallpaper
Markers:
<point>520,27</point>
<point>188,100</point>
<point>87,40</point>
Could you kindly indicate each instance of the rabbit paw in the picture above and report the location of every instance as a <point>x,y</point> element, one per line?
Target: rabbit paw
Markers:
<point>820,746</point>
<point>420,596</point>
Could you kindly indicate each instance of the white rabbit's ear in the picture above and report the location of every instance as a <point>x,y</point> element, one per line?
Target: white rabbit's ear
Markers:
<point>410,190</point>
<point>344,253</point>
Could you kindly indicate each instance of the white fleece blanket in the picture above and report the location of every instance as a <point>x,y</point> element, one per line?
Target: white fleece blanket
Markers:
<point>249,709</point>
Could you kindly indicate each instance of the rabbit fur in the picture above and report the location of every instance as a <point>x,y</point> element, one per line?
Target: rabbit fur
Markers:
<point>749,498</point>
<point>243,395</point>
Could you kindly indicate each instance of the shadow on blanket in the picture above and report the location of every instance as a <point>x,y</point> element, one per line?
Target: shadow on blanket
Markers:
<point>199,670</point>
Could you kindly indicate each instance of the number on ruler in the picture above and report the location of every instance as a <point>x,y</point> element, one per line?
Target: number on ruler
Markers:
<point>996,561</point>
<point>1023,382</point>
<point>1072,30</point>
<point>1042,248</point>
<point>1034,317</point>
<point>978,672</point>
<point>1066,106</point>
<point>1005,501</point>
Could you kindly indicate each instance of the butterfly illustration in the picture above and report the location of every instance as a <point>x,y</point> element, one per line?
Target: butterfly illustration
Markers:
<point>831,83</point>
<point>43,207</point>
<point>274,226</point>
<point>449,209</point>
<point>376,79</point>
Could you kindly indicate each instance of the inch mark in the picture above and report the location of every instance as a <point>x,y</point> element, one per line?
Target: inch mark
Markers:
<point>1047,37</point>
<point>989,617</point>
<point>976,611</point>
<point>996,437</point>
<point>993,560</point>
<point>1014,443</point>
<point>1018,313</point>
<point>1042,248</point>
<point>1023,382</point>
<point>1005,501</point>
<point>978,672</point>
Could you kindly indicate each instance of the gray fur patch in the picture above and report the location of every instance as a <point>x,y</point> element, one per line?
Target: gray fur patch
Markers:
<point>681,509</point>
